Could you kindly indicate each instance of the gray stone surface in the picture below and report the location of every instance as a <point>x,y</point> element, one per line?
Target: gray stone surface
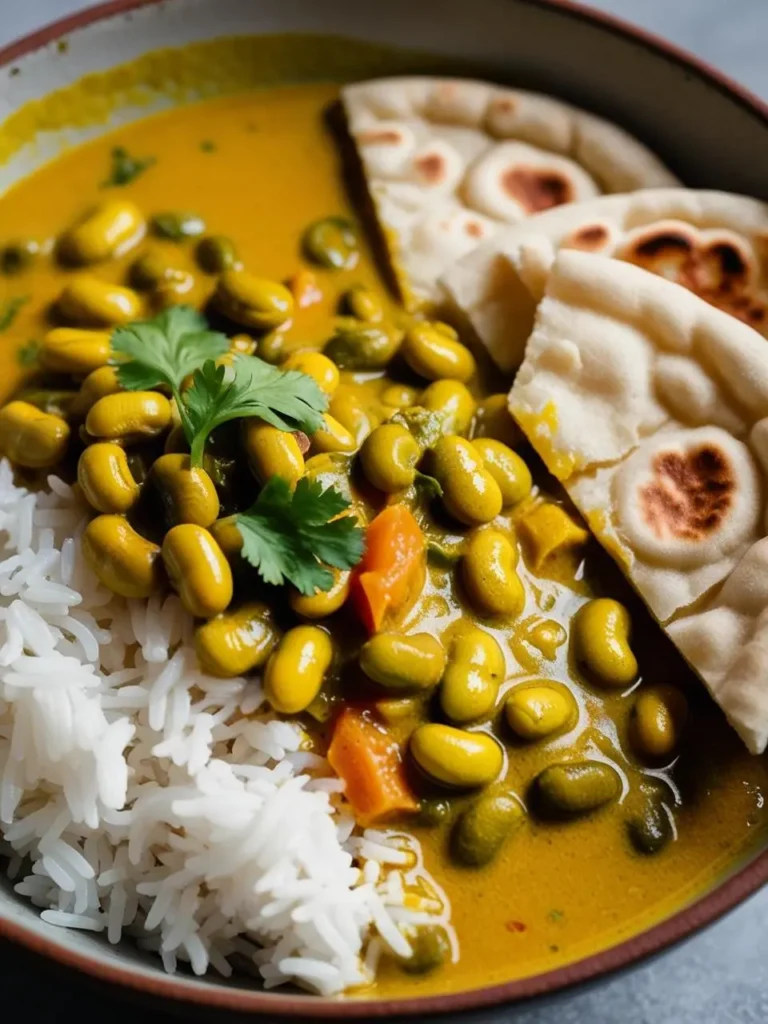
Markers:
<point>718,977</point>
<point>730,34</point>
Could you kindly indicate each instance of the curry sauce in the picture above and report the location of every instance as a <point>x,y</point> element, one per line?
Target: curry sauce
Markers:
<point>258,168</point>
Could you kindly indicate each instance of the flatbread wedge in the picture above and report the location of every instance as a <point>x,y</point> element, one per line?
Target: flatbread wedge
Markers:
<point>651,406</point>
<point>713,243</point>
<point>727,643</point>
<point>449,161</point>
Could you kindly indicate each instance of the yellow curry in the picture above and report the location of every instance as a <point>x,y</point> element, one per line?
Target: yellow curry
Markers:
<point>483,678</point>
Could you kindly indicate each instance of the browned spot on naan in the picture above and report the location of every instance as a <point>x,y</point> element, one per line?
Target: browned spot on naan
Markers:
<point>752,311</point>
<point>536,189</point>
<point>431,168</point>
<point>474,229</point>
<point>590,238</point>
<point>730,259</point>
<point>382,137</point>
<point>690,494</point>
<point>504,105</point>
<point>447,92</point>
<point>656,246</point>
<point>717,270</point>
<point>760,246</point>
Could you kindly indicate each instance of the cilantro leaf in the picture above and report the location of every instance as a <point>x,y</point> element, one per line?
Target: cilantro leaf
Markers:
<point>288,400</point>
<point>126,168</point>
<point>288,535</point>
<point>164,350</point>
<point>177,344</point>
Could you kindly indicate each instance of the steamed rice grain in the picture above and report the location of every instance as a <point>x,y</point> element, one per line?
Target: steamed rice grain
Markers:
<point>140,797</point>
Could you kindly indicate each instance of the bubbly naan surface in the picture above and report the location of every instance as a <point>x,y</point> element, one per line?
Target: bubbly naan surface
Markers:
<point>449,161</point>
<point>651,406</point>
<point>677,513</point>
<point>712,243</point>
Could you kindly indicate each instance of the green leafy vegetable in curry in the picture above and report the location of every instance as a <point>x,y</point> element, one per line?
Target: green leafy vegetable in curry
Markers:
<point>126,168</point>
<point>9,310</point>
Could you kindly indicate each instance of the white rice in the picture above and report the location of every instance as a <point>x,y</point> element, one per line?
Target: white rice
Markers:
<point>140,797</point>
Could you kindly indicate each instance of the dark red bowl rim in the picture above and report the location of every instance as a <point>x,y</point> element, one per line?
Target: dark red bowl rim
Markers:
<point>685,922</point>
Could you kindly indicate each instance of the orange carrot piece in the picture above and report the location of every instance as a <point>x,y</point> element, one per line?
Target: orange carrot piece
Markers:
<point>304,288</point>
<point>368,759</point>
<point>391,573</point>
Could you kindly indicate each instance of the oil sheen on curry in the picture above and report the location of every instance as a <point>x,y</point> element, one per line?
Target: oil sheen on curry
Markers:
<point>198,336</point>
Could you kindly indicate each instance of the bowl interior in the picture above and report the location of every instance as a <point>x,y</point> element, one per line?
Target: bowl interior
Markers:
<point>680,110</point>
<point>686,116</point>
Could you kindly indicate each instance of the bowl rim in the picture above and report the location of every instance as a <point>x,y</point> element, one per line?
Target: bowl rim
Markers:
<point>681,925</point>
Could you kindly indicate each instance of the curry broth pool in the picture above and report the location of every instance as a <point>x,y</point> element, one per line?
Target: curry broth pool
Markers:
<point>259,168</point>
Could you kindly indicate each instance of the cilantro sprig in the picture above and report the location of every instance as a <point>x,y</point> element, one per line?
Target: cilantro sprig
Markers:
<point>164,350</point>
<point>288,400</point>
<point>287,535</point>
<point>177,344</point>
<point>294,535</point>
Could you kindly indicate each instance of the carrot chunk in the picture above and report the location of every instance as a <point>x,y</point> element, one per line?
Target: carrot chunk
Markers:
<point>391,573</point>
<point>367,758</point>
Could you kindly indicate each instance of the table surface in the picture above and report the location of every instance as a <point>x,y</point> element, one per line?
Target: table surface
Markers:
<point>718,977</point>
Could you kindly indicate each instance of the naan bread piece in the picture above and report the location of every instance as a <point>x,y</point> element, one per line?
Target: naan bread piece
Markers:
<point>677,514</point>
<point>713,243</point>
<point>726,642</point>
<point>449,161</point>
<point>652,407</point>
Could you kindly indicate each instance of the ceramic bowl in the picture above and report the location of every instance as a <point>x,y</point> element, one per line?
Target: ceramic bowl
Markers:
<point>711,132</point>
